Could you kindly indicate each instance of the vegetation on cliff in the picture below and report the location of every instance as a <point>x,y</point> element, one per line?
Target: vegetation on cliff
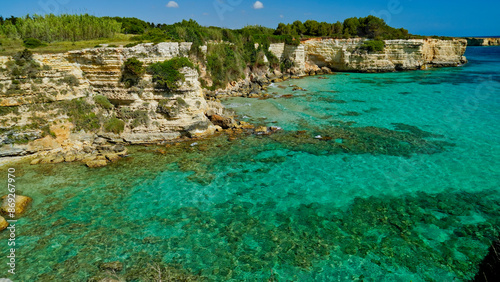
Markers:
<point>166,74</point>
<point>132,72</point>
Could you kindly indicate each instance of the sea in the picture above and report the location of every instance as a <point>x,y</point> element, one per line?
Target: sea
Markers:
<point>367,177</point>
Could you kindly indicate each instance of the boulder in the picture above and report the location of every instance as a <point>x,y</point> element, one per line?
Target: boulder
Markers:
<point>21,203</point>
<point>52,159</point>
<point>3,223</point>
<point>223,122</point>
<point>112,157</point>
<point>96,163</point>
<point>261,130</point>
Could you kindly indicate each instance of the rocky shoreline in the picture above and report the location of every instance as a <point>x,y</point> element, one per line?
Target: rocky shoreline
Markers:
<point>34,105</point>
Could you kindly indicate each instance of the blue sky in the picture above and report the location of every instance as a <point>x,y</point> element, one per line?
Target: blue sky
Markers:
<point>452,18</point>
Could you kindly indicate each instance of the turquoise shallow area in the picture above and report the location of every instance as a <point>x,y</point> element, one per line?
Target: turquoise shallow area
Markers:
<point>290,206</point>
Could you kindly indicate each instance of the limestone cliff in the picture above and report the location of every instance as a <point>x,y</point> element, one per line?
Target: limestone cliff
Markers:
<point>347,54</point>
<point>85,74</point>
<point>480,41</point>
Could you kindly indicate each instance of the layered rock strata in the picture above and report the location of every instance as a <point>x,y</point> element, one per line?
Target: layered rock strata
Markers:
<point>479,41</point>
<point>349,55</point>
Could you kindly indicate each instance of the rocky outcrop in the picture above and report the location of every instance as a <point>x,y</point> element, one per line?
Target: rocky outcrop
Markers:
<point>348,55</point>
<point>154,115</point>
<point>480,41</point>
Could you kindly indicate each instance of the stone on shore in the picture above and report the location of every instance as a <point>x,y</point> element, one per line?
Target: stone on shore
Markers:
<point>3,223</point>
<point>96,163</point>
<point>21,203</point>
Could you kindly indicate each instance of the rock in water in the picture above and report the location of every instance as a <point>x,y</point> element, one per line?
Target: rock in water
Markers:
<point>115,266</point>
<point>223,122</point>
<point>489,270</point>
<point>96,163</point>
<point>21,203</point>
<point>3,223</point>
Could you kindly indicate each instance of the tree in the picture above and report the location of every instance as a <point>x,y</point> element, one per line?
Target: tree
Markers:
<point>311,27</point>
<point>282,29</point>
<point>351,26</point>
<point>299,28</point>
<point>338,28</point>
<point>324,29</point>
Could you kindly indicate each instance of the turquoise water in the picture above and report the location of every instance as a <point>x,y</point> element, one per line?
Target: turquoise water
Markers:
<point>403,185</point>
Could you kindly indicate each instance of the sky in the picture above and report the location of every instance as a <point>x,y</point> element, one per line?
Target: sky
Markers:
<point>424,17</point>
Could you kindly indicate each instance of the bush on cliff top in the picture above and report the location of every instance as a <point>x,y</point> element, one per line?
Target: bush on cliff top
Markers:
<point>166,74</point>
<point>373,45</point>
<point>24,65</point>
<point>33,43</point>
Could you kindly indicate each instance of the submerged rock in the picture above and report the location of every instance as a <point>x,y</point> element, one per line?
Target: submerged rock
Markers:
<point>489,270</point>
<point>223,122</point>
<point>96,163</point>
<point>115,266</point>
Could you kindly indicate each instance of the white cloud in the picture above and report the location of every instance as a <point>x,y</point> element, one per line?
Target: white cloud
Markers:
<point>281,16</point>
<point>258,5</point>
<point>206,14</point>
<point>172,4</point>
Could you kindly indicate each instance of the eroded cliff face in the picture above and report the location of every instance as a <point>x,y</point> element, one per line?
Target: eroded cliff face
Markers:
<point>150,114</point>
<point>347,54</point>
<point>476,41</point>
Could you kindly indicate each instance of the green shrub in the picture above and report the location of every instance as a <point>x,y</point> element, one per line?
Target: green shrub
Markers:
<point>132,71</point>
<point>33,43</point>
<point>132,44</point>
<point>373,45</point>
<point>80,113</point>
<point>168,111</point>
<point>23,57</point>
<point>286,64</point>
<point>138,117</point>
<point>24,64</point>
<point>225,63</point>
<point>9,110</point>
<point>166,74</point>
<point>103,102</point>
<point>71,80</point>
<point>114,125</point>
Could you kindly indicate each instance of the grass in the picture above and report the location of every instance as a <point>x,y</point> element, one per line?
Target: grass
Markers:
<point>10,47</point>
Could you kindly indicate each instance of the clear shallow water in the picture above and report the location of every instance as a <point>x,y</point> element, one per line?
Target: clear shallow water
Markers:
<point>373,203</point>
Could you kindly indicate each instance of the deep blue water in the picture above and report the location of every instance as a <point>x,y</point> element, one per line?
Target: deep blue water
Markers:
<point>402,185</point>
